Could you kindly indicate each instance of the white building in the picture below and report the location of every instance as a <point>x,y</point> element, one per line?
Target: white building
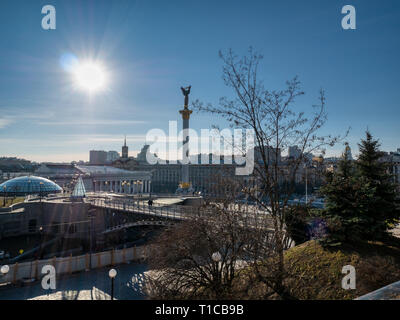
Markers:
<point>98,178</point>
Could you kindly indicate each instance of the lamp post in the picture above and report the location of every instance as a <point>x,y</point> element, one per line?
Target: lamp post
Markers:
<point>216,257</point>
<point>40,191</point>
<point>4,270</point>
<point>106,183</point>
<point>41,240</point>
<point>4,190</point>
<point>112,274</point>
<point>136,185</point>
<point>91,215</point>
<point>29,189</point>
<point>140,182</point>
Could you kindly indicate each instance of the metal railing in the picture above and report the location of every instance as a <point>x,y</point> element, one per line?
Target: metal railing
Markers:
<point>133,206</point>
<point>174,212</point>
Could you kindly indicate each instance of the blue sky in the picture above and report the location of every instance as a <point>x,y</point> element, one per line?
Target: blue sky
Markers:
<point>151,48</point>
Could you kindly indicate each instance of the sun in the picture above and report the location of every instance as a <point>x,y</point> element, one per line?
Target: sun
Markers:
<point>90,76</point>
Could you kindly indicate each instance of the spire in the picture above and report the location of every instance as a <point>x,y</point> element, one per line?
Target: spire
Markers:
<point>79,189</point>
<point>124,154</point>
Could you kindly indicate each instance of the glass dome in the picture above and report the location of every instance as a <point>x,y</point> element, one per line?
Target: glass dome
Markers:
<point>29,185</point>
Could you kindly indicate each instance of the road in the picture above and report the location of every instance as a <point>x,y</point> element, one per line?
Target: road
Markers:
<point>91,285</point>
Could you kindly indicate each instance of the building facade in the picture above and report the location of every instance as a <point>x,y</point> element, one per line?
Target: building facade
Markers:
<point>97,178</point>
<point>112,156</point>
<point>124,154</point>
<point>97,157</point>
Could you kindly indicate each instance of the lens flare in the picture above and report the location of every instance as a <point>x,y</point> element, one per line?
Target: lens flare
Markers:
<point>90,76</point>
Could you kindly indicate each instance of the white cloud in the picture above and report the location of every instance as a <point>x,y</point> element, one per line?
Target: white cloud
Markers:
<point>4,122</point>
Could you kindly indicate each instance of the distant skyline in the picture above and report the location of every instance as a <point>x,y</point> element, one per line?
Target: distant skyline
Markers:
<point>151,48</point>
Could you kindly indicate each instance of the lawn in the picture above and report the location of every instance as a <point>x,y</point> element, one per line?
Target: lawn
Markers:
<point>10,201</point>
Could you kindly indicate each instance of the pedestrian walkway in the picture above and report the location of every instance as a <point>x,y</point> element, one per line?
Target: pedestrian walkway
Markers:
<point>92,285</point>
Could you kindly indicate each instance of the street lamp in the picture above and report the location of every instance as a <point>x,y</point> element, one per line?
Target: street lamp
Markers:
<point>4,270</point>
<point>135,186</point>
<point>29,189</point>
<point>41,240</point>
<point>40,191</point>
<point>112,274</point>
<point>216,256</point>
<point>140,182</point>
<point>4,190</point>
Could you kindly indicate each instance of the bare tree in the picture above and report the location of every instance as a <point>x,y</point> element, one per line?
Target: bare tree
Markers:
<point>276,124</point>
<point>203,256</point>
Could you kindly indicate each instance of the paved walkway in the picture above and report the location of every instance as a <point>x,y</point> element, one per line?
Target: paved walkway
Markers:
<point>92,285</point>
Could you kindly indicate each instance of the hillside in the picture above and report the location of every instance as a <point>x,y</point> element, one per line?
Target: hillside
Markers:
<point>315,272</point>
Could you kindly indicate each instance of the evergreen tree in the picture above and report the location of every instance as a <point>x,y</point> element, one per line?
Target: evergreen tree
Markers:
<point>380,203</point>
<point>342,209</point>
<point>361,201</point>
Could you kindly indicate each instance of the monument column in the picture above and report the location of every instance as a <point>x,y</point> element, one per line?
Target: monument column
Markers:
<point>185,112</point>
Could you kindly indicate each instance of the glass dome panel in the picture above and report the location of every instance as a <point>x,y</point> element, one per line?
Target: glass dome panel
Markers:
<point>29,185</point>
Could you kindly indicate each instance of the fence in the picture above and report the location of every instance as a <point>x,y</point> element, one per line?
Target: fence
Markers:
<point>170,212</point>
<point>254,217</point>
<point>68,265</point>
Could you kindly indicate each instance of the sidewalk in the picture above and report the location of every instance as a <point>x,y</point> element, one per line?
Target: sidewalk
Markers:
<point>91,285</point>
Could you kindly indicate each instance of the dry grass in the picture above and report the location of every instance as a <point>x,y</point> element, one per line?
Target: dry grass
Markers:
<point>10,201</point>
<point>315,273</point>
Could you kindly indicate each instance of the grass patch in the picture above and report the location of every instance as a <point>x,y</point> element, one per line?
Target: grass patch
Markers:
<point>10,201</point>
<point>315,272</point>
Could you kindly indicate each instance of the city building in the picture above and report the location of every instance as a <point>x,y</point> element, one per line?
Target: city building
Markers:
<point>294,152</point>
<point>112,156</point>
<point>124,154</point>
<point>166,176</point>
<point>272,155</point>
<point>393,161</point>
<point>97,178</point>
<point>11,167</point>
<point>97,157</point>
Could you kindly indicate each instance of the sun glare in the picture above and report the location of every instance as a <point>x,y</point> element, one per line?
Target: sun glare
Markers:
<point>90,76</point>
